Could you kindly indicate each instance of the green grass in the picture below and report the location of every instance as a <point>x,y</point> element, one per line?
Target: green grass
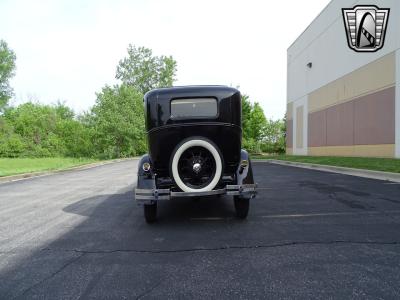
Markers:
<point>369,163</point>
<point>13,166</point>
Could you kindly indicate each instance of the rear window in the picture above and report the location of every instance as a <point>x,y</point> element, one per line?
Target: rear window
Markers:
<point>195,107</point>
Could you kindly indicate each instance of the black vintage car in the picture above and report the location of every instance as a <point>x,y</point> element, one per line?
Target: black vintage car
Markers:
<point>194,139</point>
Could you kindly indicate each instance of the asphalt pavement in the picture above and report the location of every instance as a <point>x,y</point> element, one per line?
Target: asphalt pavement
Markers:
<point>309,234</point>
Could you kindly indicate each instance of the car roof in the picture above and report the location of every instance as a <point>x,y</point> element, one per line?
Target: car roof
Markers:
<point>193,90</point>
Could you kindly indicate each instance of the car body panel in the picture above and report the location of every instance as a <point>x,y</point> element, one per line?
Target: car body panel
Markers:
<point>165,132</point>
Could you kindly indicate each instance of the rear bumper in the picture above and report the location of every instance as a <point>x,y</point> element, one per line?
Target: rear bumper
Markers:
<point>148,196</point>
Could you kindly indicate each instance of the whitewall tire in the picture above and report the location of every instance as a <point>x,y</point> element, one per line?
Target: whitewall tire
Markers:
<point>196,142</point>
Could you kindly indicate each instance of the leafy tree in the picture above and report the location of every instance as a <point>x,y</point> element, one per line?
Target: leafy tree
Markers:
<point>118,122</point>
<point>77,137</point>
<point>259,133</point>
<point>63,111</point>
<point>38,130</point>
<point>257,122</point>
<point>253,124</point>
<point>33,122</point>
<point>144,71</point>
<point>7,68</point>
<point>11,143</point>
<point>246,113</point>
<point>274,137</point>
<point>75,134</point>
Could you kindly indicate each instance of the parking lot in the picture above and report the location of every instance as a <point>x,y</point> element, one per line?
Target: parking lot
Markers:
<point>79,234</point>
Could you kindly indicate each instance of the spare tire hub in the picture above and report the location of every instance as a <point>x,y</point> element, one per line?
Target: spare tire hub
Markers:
<point>197,168</point>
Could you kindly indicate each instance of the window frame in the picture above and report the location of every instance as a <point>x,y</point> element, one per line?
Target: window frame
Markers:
<point>192,116</point>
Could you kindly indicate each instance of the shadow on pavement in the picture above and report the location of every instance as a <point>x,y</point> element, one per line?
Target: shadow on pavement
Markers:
<point>114,226</point>
<point>289,247</point>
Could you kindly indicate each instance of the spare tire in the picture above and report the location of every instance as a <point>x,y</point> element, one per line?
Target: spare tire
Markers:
<point>196,165</point>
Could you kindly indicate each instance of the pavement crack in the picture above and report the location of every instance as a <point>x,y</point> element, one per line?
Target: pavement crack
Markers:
<point>63,267</point>
<point>222,248</point>
<point>149,290</point>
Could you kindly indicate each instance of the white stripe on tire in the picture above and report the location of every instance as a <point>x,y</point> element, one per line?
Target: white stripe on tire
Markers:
<point>177,156</point>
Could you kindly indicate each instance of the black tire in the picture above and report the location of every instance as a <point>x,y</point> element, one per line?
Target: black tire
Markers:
<point>150,212</point>
<point>241,207</point>
<point>208,147</point>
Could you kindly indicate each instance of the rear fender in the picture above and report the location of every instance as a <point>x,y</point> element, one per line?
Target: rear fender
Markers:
<point>145,180</point>
<point>244,175</point>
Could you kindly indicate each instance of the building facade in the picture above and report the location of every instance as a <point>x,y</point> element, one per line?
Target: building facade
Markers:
<point>341,102</point>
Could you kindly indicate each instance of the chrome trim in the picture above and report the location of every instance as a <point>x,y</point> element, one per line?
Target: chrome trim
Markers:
<point>151,197</point>
<point>146,166</point>
<point>194,194</point>
<point>241,189</point>
<point>148,196</point>
<point>147,191</point>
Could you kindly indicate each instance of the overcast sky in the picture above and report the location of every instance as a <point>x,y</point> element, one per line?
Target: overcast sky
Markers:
<point>68,50</point>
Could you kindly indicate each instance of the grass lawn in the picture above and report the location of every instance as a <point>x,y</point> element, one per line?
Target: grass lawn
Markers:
<point>369,163</point>
<point>12,166</point>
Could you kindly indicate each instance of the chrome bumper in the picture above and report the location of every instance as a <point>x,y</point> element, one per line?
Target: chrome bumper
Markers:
<point>148,196</point>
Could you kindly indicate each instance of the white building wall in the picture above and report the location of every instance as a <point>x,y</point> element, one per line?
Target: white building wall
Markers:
<point>324,44</point>
<point>397,106</point>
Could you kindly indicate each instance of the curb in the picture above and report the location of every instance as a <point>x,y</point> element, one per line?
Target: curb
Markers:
<point>23,176</point>
<point>387,176</point>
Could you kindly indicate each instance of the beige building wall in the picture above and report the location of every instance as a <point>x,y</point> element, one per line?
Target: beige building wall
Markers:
<point>351,116</point>
<point>351,100</point>
<point>299,127</point>
<point>355,114</point>
<point>370,78</point>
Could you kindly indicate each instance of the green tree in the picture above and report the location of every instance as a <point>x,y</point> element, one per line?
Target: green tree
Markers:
<point>11,143</point>
<point>257,122</point>
<point>75,134</point>
<point>37,130</point>
<point>118,122</point>
<point>77,138</point>
<point>259,133</point>
<point>144,71</point>
<point>246,113</point>
<point>253,125</point>
<point>274,137</point>
<point>7,68</point>
<point>36,124</point>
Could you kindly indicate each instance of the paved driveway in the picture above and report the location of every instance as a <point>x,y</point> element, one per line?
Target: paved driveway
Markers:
<point>309,234</point>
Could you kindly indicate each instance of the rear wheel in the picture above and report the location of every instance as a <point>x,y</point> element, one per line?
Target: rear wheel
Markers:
<point>150,212</point>
<point>241,207</point>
